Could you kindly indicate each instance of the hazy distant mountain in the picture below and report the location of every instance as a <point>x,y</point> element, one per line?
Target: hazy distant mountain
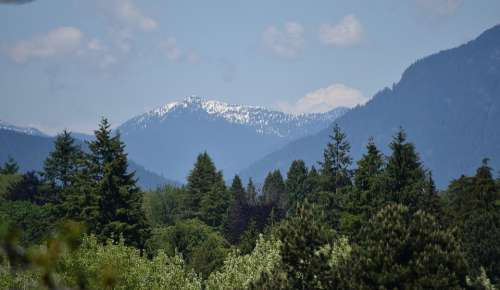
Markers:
<point>30,151</point>
<point>167,139</point>
<point>26,130</point>
<point>449,104</point>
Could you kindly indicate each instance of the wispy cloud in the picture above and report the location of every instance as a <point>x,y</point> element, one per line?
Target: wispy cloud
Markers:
<point>174,53</point>
<point>348,32</point>
<point>127,14</point>
<point>325,99</point>
<point>286,42</point>
<point>57,42</point>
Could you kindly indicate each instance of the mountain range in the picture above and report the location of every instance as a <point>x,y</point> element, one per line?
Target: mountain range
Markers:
<point>168,139</point>
<point>448,103</point>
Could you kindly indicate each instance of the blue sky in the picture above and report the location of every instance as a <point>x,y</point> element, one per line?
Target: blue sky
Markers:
<point>66,63</point>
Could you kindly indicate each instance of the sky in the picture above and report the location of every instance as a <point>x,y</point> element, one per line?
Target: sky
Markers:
<point>64,64</point>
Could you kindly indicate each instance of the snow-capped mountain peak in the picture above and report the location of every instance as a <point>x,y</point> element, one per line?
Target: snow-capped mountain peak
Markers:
<point>25,130</point>
<point>264,121</point>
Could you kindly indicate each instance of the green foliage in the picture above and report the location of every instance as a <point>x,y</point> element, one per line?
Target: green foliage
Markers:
<point>164,205</point>
<point>239,271</point>
<point>120,200</point>
<point>402,250</point>
<point>215,204</point>
<point>6,181</point>
<point>296,183</point>
<point>201,180</point>
<point>9,167</point>
<point>370,166</point>
<point>202,247</point>
<point>274,194</point>
<point>335,167</point>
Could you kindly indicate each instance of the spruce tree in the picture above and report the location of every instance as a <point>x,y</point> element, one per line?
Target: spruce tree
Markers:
<point>200,182</point>
<point>120,202</point>
<point>335,172</point>
<point>10,167</point>
<point>296,183</point>
<point>369,167</point>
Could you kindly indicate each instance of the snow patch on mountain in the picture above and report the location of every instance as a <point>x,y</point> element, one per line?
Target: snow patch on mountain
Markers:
<point>26,130</point>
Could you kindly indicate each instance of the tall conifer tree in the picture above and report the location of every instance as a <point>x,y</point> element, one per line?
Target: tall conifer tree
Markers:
<point>335,172</point>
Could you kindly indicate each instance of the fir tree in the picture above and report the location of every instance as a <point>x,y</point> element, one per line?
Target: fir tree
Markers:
<point>200,181</point>
<point>335,172</point>
<point>251,193</point>
<point>26,189</point>
<point>215,203</point>
<point>369,167</point>
<point>9,167</point>
<point>63,162</point>
<point>238,211</point>
<point>403,168</point>
<point>274,194</point>
<point>120,202</point>
<point>296,183</point>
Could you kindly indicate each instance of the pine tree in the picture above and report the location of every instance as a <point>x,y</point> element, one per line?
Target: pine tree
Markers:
<point>120,199</point>
<point>10,167</point>
<point>369,167</point>
<point>200,181</point>
<point>26,189</point>
<point>296,183</point>
<point>335,172</point>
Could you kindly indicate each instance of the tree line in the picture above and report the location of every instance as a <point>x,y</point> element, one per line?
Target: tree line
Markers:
<point>378,223</point>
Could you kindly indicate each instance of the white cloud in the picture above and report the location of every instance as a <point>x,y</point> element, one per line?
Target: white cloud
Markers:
<point>439,7</point>
<point>348,32</point>
<point>287,42</point>
<point>126,13</point>
<point>325,99</point>
<point>171,49</point>
<point>57,42</point>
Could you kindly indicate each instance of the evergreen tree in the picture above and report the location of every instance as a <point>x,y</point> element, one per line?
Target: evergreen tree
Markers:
<point>251,193</point>
<point>401,250</point>
<point>215,204</point>
<point>369,167</point>
<point>63,162</point>
<point>200,181</point>
<point>312,182</point>
<point>403,168</point>
<point>335,172</point>
<point>120,202</point>
<point>238,212</point>
<point>9,167</point>
<point>274,194</point>
<point>296,183</point>
<point>26,189</point>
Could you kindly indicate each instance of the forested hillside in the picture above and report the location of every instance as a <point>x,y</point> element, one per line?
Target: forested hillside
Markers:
<point>449,103</point>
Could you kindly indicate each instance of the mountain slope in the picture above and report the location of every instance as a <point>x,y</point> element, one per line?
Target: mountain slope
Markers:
<point>168,139</point>
<point>449,104</point>
<point>26,130</point>
<point>30,151</point>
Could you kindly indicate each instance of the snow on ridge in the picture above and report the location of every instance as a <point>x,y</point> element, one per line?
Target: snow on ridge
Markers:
<point>26,130</point>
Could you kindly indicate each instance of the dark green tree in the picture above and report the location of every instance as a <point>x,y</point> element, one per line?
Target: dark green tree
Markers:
<point>63,162</point>
<point>120,202</point>
<point>9,167</point>
<point>405,250</point>
<point>200,181</point>
<point>296,183</point>
<point>251,193</point>
<point>238,212</point>
<point>370,166</point>
<point>335,172</point>
<point>215,204</point>
<point>274,194</point>
<point>26,189</point>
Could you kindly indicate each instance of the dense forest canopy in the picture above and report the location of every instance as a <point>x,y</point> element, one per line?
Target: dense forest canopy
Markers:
<point>375,223</point>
